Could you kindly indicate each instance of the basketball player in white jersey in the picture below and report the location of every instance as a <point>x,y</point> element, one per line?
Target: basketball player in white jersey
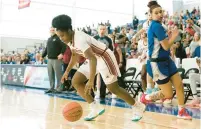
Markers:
<point>100,59</point>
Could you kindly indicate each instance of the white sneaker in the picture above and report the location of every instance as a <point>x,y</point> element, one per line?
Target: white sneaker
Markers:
<point>167,101</point>
<point>96,110</point>
<point>97,96</point>
<point>138,111</point>
<point>114,96</point>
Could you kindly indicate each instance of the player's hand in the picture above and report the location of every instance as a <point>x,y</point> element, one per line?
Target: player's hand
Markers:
<point>60,56</point>
<point>89,87</point>
<point>64,77</point>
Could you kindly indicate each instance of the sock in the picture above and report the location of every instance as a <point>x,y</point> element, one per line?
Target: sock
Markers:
<point>98,92</point>
<point>180,107</point>
<point>149,86</point>
<point>156,85</point>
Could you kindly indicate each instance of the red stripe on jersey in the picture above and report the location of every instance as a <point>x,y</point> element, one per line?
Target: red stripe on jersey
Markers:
<point>107,59</point>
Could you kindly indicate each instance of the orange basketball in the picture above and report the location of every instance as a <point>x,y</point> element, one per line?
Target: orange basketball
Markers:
<point>72,111</point>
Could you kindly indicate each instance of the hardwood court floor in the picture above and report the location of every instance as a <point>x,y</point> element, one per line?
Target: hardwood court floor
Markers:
<point>32,109</point>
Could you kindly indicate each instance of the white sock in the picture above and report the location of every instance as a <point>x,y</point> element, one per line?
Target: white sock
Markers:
<point>156,85</point>
<point>149,85</point>
<point>98,92</point>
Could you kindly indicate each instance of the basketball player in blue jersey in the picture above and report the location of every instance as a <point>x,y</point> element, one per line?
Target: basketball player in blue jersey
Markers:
<point>100,59</point>
<point>159,65</point>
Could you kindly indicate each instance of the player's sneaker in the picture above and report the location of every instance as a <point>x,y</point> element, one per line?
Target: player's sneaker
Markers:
<point>142,99</point>
<point>96,110</point>
<point>167,101</point>
<point>138,110</point>
<point>183,114</point>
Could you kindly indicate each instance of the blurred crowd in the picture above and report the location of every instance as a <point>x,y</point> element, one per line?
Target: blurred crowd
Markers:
<point>186,45</point>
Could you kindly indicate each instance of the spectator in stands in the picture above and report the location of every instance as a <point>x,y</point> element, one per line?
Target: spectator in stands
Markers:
<point>195,43</point>
<point>142,51</point>
<point>189,29</point>
<point>24,59</point>
<point>102,30</point>
<point>123,31</point>
<point>18,59</point>
<point>133,54</point>
<point>180,51</point>
<point>38,58</point>
<point>194,80</point>
<point>54,50</point>
<point>108,27</point>
<point>10,60</point>
<point>197,52</point>
<point>4,60</point>
<point>135,23</point>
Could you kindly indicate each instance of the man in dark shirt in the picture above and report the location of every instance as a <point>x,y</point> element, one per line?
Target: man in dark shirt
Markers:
<point>54,50</point>
<point>101,87</point>
<point>135,23</point>
<point>103,38</point>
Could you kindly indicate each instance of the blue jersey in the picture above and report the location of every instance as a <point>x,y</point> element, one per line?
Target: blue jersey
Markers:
<point>157,33</point>
<point>159,70</point>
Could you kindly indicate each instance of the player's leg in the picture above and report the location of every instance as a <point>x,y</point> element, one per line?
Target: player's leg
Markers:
<point>177,83</point>
<point>78,82</point>
<point>166,75</point>
<point>105,67</point>
<point>144,77</point>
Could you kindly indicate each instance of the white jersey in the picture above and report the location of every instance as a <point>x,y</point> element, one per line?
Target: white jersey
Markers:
<point>83,41</point>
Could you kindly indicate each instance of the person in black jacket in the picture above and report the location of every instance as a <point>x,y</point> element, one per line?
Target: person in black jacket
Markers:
<point>54,50</point>
<point>180,51</point>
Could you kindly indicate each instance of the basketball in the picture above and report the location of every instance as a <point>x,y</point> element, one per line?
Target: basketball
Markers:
<point>72,111</point>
